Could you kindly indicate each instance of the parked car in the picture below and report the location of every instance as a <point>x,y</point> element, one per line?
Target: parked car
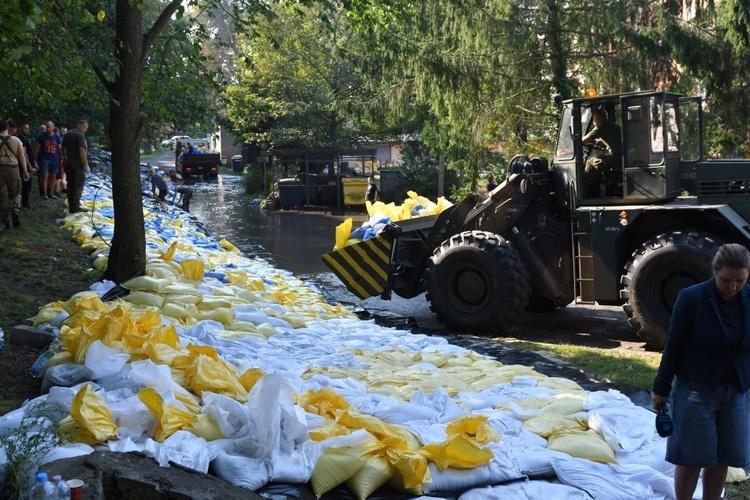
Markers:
<point>171,142</point>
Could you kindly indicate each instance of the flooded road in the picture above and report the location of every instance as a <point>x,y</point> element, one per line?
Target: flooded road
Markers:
<point>291,240</point>
<point>296,240</point>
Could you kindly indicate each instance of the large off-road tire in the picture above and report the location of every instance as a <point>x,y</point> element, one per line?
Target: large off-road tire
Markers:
<point>657,272</point>
<point>477,283</point>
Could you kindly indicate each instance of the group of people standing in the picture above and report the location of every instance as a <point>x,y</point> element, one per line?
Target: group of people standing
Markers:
<point>58,156</point>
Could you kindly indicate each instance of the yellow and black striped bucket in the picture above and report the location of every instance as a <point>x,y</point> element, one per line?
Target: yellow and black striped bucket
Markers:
<point>363,267</point>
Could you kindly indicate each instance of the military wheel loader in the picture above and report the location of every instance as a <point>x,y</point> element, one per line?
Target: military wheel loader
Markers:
<point>542,240</point>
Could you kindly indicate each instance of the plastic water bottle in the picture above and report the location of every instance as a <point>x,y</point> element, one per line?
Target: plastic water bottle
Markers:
<point>63,490</point>
<point>2,338</point>
<point>43,489</point>
<point>41,362</point>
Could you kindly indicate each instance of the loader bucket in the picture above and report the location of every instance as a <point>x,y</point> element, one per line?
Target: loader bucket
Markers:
<point>363,267</point>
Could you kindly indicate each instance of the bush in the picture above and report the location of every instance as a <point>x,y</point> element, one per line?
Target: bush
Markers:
<point>255,184</point>
<point>420,173</point>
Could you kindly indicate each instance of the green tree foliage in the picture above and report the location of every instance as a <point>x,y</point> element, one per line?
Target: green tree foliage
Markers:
<point>106,57</point>
<point>297,85</point>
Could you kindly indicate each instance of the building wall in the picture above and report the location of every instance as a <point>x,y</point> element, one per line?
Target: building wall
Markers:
<point>226,145</point>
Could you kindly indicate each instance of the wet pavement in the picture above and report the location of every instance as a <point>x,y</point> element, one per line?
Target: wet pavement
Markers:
<point>295,240</point>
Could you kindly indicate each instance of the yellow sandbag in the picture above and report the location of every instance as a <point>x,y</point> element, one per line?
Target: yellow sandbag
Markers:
<point>552,423</point>
<point>170,418</point>
<point>566,404</point>
<point>560,384</point>
<point>457,452</point>
<point>169,254</point>
<point>250,378</point>
<point>179,311</point>
<point>160,354</point>
<point>182,298</point>
<point>192,269</point>
<point>343,231</point>
<point>206,374</point>
<point>204,426</point>
<point>267,330</point>
<point>209,302</point>
<point>90,420</point>
<point>88,301</point>
<point>146,283</point>
<point>378,428</point>
<point>145,299</point>
<point>324,402</point>
<point>331,429</point>
<point>100,263</point>
<point>59,358</point>
<point>335,466</point>
<point>222,315</point>
<point>46,315</point>
<point>181,289</point>
<point>248,295</point>
<point>256,285</point>
<point>242,326</point>
<point>736,475</point>
<point>582,444</point>
<point>163,269</point>
<point>475,428</point>
<point>374,473</point>
<point>228,246</point>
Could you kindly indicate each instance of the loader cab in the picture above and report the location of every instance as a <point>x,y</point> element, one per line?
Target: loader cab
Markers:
<point>647,168</point>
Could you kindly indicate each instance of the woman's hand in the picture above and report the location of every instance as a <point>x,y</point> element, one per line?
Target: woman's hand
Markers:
<point>657,400</point>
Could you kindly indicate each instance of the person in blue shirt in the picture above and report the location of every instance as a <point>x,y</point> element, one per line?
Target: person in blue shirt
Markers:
<point>47,152</point>
<point>705,371</point>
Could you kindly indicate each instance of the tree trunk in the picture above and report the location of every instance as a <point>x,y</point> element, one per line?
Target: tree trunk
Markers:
<point>127,256</point>
<point>557,53</point>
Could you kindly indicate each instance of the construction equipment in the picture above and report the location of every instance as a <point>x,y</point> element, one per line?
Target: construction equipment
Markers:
<point>542,240</point>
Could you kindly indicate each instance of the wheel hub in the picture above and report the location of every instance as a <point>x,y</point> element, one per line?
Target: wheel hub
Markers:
<point>471,289</point>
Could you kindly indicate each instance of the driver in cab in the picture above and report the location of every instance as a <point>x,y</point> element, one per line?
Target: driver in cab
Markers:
<point>604,136</point>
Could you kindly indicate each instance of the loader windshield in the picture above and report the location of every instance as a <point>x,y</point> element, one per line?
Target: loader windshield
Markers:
<point>565,150</point>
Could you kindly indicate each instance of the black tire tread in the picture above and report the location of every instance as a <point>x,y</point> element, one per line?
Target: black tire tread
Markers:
<point>705,244</point>
<point>514,273</point>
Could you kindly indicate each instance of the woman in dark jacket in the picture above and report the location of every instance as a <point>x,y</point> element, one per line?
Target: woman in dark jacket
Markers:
<point>705,370</point>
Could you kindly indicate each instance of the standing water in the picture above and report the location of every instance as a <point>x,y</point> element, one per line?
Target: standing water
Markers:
<point>289,239</point>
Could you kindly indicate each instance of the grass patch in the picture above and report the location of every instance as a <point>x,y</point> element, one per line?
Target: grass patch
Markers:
<point>39,264</point>
<point>620,367</point>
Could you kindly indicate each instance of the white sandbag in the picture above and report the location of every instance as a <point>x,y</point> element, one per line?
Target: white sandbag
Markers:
<point>235,420</point>
<point>400,413</point>
<point>61,398</point>
<point>279,422</point>
<point>233,460</point>
<point>498,470</point>
<point>624,428</point>
<point>651,454</point>
<point>147,446</point>
<point>526,490</point>
<point>65,375</point>
<point>440,403</point>
<point>149,374</point>
<point>186,449</point>
<point>67,451</point>
<point>613,482</point>
<point>103,360</point>
<point>609,399</point>
<point>537,461</point>
<point>61,316</point>
<point>133,418</point>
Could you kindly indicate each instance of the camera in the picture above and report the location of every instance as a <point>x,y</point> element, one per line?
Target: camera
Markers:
<point>663,421</point>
